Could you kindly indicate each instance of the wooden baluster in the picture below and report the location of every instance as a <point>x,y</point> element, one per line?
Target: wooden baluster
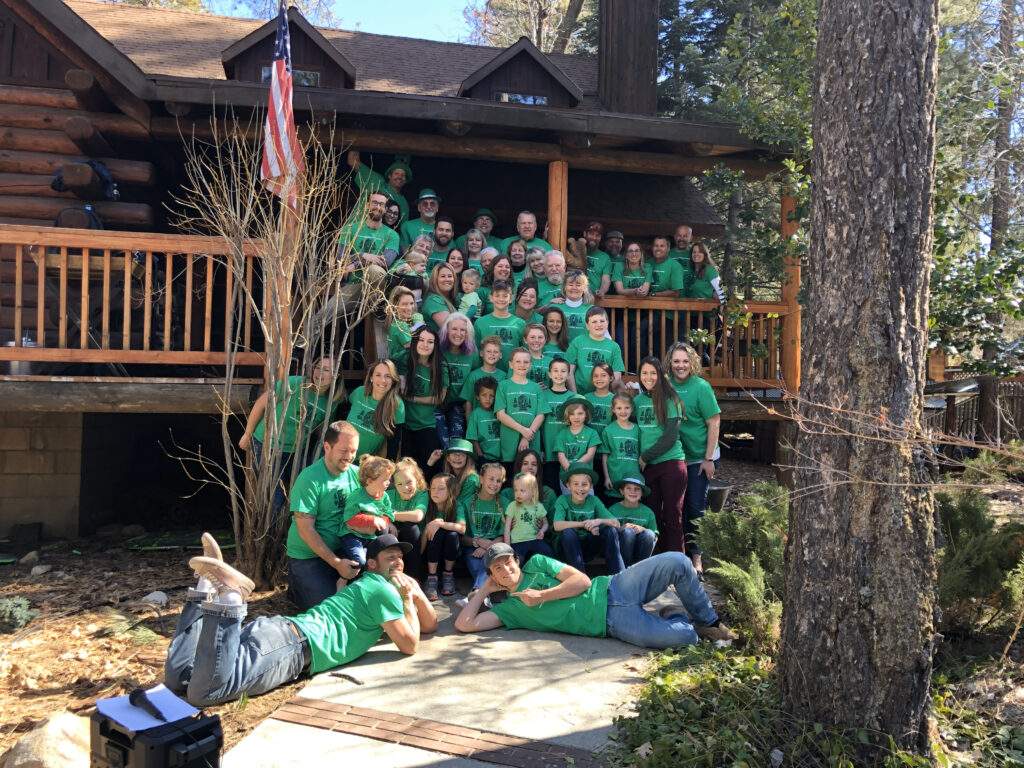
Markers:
<point>208,319</point>
<point>189,259</point>
<point>83,321</point>
<point>62,326</point>
<point>168,298</point>
<point>126,331</point>
<point>19,254</point>
<point>147,307</point>
<point>748,332</point>
<point>229,301</point>
<point>105,328</point>
<point>773,351</point>
<point>650,333</point>
<point>245,303</point>
<point>41,297</point>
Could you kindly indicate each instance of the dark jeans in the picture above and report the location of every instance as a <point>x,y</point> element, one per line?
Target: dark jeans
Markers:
<point>214,658</point>
<point>526,549</point>
<point>353,547</point>
<point>310,581</point>
<point>418,444</point>
<point>695,504</point>
<point>667,481</point>
<point>475,566</point>
<point>451,422</point>
<point>636,545</point>
<point>444,545</point>
<point>577,550</point>
<point>412,561</point>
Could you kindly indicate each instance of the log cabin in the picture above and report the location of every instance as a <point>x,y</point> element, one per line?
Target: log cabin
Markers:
<point>119,331</point>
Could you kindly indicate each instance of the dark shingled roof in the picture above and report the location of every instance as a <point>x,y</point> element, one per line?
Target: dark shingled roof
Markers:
<point>185,44</point>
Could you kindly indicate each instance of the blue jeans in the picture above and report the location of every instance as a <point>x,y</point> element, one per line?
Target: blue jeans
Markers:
<point>451,422</point>
<point>475,566</point>
<point>636,546</point>
<point>353,547</point>
<point>214,658</point>
<point>694,505</point>
<point>310,581</point>
<point>577,550</point>
<point>631,590</point>
<point>526,549</point>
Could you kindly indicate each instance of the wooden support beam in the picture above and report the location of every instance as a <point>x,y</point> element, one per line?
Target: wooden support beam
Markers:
<point>87,92</point>
<point>25,222</point>
<point>28,140</point>
<point>82,181</point>
<point>29,184</point>
<point>790,292</point>
<point>558,203</point>
<point>53,118</point>
<point>87,137</point>
<point>455,128</point>
<point>123,171</point>
<point>37,97</point>
<point>71,394</point>
<point>123,214</point>
<point>177,108</point>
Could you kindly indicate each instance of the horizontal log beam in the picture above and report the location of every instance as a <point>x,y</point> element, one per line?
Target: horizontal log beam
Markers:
<point>87,137</point>
<point>53,118</point>
<point>124,171</point>
<point>69,395</point>
<point>25,222</point>
<point>82,181</point>
<point>86,90</point>
<point>37,97</point>
<point>125,214</point>
<point>29,184</point>
<point>37,141</point>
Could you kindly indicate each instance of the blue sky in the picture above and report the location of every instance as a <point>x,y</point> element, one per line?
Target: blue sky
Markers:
<point>430,19</point>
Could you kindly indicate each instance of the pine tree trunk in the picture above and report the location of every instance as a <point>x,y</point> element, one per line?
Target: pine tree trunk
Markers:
<point>857,635</point>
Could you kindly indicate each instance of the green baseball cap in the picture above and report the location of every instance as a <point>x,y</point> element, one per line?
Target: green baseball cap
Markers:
<point>634,481</point>
<point>576,468</point>
<point>428,194</point>
<point>576,400</point>
<point>460,445</point>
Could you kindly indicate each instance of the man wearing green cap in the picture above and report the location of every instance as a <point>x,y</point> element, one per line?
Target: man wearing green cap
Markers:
<point>526,230</point>
<point>397,175</point>
<point>484,220</point>
<point>427,204</point>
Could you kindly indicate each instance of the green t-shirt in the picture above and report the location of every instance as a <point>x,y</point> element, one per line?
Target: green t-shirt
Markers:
<point>418,415</point>
<point>484,429</point>
<point>359,237</point>
<point>523,403</point>
<point>601,411</point>
<point>493,241</point>
<point>368,180</point>
<point>311,412</point>
<point>586,614</point>
<point>346,625</point>
<point>483,518</point>
<point>547,291</point>
<point>362,503</point>
<point>639,515</point>
<point>584,352</point>
<point>418,503</point>
<point>552,350</point>
<point>592,508</point>
<point>538,372</point>
<point>552,425</point>
<point>681,255</point>
<point>432,303</point>
<point>438,256</point>
<point>575,320</point>
<point>632,278</point>
<point>468,487</point>
<point>547,497</point>
<point>361,417</point>
<point>699,405</point>
<point>537,242</point>
<point>469,385</point>
<point>459,367</point>
<point>413,228</point>
<point>703,287</point>
<point>318,493</point>
<point>399,336</point>
<point>622,445</point>
<point>666,276</point>
<point>574,446</point>
<point>508,329</point>
<point>651,430</point>
<point>599,264</point>
<point>527,520</point>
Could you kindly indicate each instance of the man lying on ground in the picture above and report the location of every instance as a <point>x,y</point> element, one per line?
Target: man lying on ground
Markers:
<point>214,658</point>
<point>549,596</point>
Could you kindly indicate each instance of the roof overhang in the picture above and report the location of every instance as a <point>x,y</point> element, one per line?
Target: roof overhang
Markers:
<point>526,46</point>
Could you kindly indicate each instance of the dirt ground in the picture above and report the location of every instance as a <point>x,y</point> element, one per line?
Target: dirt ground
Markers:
<point>93,639</point>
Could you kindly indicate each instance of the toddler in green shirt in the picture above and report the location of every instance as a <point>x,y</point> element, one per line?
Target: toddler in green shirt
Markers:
<point>368,511</point>
<point>526,520</point>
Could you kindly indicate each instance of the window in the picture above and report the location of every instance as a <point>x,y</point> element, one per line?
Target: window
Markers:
<point>306,78</point>
<point>521,98</point>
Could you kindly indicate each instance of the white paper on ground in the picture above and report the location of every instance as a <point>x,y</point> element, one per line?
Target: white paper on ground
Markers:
<point>128,716</point>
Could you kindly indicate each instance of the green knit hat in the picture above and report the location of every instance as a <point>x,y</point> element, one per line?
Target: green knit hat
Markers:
<point>401,163</point>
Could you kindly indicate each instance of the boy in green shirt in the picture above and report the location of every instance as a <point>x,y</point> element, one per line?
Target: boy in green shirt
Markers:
<point>594,347</point>
<point>502,323</point>
<point>518,408</point>
<point>551,404</point>
<point>638,528</point>
<point>490,356</point>
<point>583,524</point>
<point>483,427</point>
<point>576,443</point>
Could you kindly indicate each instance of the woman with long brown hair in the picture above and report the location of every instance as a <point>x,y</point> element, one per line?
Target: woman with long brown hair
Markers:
<point>377,408</point>
<point>425,384</point>
<point>441,296</point>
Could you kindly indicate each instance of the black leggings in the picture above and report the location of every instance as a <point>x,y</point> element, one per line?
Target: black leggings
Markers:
<point>418,444</point>
<point>413,560</point>
<point>446,545</point>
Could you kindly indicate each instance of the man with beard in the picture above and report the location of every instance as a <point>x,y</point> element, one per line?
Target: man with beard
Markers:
<point>427,204</point>
<point>526,230</point>
<point>444,231</point>
<point>613,245</point>
<point>397,175</point>
<point>683,239</point>
<point>214,658</point>
<point>549,290</point>
<point>599,263</point>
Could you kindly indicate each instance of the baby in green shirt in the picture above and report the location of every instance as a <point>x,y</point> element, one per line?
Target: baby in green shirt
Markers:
<point>368,511</point>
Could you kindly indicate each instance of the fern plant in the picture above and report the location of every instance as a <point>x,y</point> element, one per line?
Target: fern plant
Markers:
<point>15,613</point>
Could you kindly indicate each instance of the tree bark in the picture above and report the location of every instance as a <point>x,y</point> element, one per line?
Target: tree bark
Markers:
<point>567,26</point>
<point>857,635</point>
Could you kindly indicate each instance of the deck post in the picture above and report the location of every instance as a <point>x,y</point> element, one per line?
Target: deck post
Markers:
<point>558,203</point>
<point>790,290</point>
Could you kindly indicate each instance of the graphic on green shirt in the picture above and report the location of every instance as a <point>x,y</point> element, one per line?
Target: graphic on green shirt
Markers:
<point>651,430</point>
<point>346,625</point>
<point>599,264</point>
<point>632,278</point>
<point>459,367</point>
<point>699,405</point>
<point>484,428</point>
<point>360,237</point>
<point>622,445</point>
<point>547,498</point>
<point>550,405</point>
<point>303,405</point>
<point>575,445</point>
<point>419,415</point>
<point>360,503</point>
<point>318,493</point>
<point>586,614</point>
<point>575,320</point>
<point>538,372</point>
<point>522,403</point>
<point>592,508</point>
<point>508,329</point>
<point>527,520</point>
<point>639,515</point>
<point>482,517</point>
<point>361,416</point>
<point>585,352</point>
<point>600,411</point>
<point>667,276</point>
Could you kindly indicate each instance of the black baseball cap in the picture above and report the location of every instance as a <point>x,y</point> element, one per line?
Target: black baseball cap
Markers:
<point>388,540</point>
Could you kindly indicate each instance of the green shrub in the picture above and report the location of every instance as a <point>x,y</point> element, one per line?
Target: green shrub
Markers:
<point>15,613</point>
<point>975,560</point>
<point>748,598</point>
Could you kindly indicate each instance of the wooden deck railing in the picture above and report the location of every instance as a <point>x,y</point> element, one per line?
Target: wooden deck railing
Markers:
<point>86,296</point>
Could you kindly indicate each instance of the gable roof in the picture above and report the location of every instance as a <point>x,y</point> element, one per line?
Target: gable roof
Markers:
<point>186,44</point>
<point>525,46</point>
<point>294,17</point>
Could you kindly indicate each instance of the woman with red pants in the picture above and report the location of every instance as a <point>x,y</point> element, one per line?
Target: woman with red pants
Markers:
<point>659,413</point>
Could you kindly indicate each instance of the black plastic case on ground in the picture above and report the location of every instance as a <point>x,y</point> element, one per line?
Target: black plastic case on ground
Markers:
<point>194,742</point>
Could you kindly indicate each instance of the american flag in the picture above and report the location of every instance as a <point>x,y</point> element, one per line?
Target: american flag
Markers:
<point>282,153</point>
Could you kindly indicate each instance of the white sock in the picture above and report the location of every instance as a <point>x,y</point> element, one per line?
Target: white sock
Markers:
<point>205,585</point>
<point>229,597</point>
